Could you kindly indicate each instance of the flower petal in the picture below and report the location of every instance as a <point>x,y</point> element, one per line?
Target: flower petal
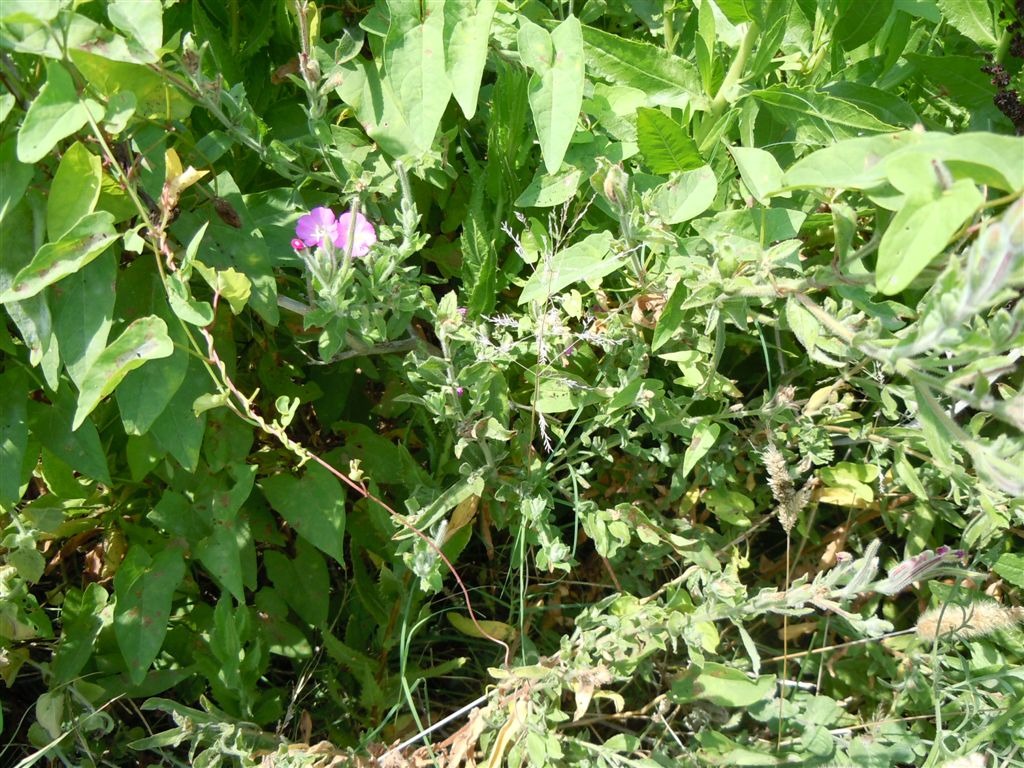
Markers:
<point>312,227</point>
<point>365,234</point>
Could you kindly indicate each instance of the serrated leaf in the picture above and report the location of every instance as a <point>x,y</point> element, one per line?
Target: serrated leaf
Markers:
<point>145,339</point>
<point>144,589</point>
<point>667,80</point>
<point>92,235</point>
<point>972,19</point>
<point>664,144</point>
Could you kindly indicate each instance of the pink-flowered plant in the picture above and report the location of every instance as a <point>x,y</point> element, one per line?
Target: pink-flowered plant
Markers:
<point>319,227</point>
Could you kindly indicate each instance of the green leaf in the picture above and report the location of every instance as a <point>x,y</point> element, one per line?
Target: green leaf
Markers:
<point>414,66</point>
<point>84,314</point>
<point>1011,568</point>
<point>704,436</point>
<point>145,339</point>
<point>972,19</point>
<point>13,432</point>
<point>672,315</point>
<point>144,588</point>
<point>858,21</point>
<point>80,449</point>
<point>140,19</point>
<point>178,430</point>
<point>920,232</point>
<point>479,256</point>
<point>86,240</point>
<point>55,114</point>
<point>153,96</point>
<point>548,190</point>
<point>556,85</point>
<point>588,259</point>
<point>958,76</point>
<point>467,29</point>
<point>81,620</point>
<point>685,195</point>
<point>314,506</point>
<point>817,116</point>
<point>667,80</point>
<point>721,685</point>
<point>664,144</point>
<point>302,581</point>
<point>17,177</point>
<point>759,170</point>
<point>225,549</point>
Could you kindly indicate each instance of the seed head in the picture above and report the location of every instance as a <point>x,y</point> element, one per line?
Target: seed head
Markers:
<point>975,620</point>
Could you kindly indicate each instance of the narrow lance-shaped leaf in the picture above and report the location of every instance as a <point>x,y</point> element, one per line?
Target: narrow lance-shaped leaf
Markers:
<point>145,339</point>
<point>90,237</point>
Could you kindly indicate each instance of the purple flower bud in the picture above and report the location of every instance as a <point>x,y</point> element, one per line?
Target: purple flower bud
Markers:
<point>297,244</point>
<point>459,391</point>
<point>463,311</point>
<point>928,564</point>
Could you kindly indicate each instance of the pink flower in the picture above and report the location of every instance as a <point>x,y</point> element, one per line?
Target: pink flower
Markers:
<point>363,237</point>
<point>320,226</point>
<point>317,227</point>
<point>297,244</point>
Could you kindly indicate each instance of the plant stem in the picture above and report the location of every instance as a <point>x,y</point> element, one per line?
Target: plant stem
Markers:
<point>732,77</point>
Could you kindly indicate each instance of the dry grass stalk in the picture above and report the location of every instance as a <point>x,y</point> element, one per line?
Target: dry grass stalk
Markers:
<point>976,620</point>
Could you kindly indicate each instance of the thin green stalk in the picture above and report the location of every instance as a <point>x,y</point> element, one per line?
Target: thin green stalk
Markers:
<point>733,76</point>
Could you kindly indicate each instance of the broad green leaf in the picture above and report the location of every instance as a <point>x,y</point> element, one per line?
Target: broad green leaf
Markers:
<point>74,191</point>
<point>972,19</point>
<point>376,108</point>
<point>556,85</point>
<point>818,342</point>
<point>721,685</point>
<point>958,76</point>
<point>667,80</point>
<point>92,235</point>
<point>1011,568</point>
<point>685,195</point>
<point>55,114</point>
<point>154,97</point>
<point>759,170</point>
<point>302,581</point>
<point>704,43</point>
<point>414,66</point>
<point>145,339</point>
<point>178,430</point>
<point>732,507</point>
<point>223,552</point>
<point>704,436</point>
<point>861,163</point>
<point>84,314</point>
<point>857,479</point>
<point>920,232</point>
<point>548,190</point>
<point>467,30</point>
<point>145,392</point>
<point>493,629</point>
<point>7,102</point>
<point>859,21</point>
<point>17,176</point>
<point>27,11</point>
<point>144,588</point>
<point>80,449</point>
<point>885,105</point>
<point>81,621</point>
<point>140,19</point>
<point>664,144</point>
<point>819,117</point>
<point>13,432</point>
<point>588,259</point>
<point>314,505</point>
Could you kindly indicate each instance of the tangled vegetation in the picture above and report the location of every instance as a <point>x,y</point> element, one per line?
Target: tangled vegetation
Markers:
<point>597,384</point>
